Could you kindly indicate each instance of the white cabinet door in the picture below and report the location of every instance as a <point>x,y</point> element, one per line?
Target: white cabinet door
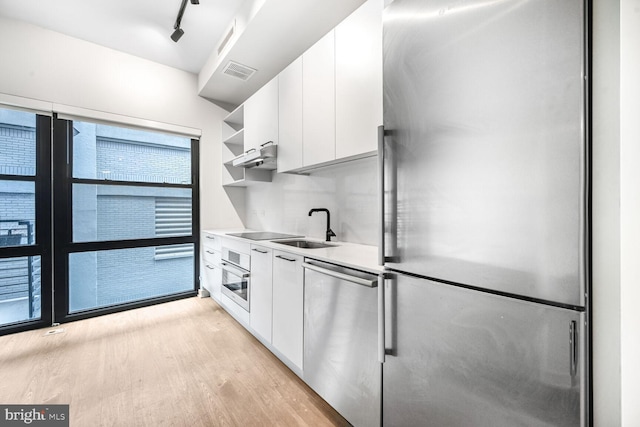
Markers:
<point>318,102</point>
<point>211,273</point>
<point>261,291</point>
<point>359,80</point>
<point>290,117</point>
<point>212,280</point>
<point>261,116</point>
<point>288,304</point>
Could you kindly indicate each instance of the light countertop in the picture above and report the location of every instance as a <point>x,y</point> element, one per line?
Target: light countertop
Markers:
<point>353,255</point>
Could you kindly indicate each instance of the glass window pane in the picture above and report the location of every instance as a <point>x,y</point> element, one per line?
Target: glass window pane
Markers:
<point>118,212</point>
<point>17,143</point>
<point>17,213</point>
<point>20,295</point>
<point>121,154</point>
<point>111,277</point>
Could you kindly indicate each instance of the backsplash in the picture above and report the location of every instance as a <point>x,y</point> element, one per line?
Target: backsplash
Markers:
<point>348,190</point>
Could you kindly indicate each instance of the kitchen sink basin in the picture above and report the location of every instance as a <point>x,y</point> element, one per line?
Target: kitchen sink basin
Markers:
<point>304,244</point>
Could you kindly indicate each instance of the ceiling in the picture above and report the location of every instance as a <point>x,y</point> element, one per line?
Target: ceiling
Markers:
<point>138,27</point>
<point>277,33</point>
<point>270,33</point>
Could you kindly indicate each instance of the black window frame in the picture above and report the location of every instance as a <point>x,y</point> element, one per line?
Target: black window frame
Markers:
<point>43,244</point>
<point>63,228</point>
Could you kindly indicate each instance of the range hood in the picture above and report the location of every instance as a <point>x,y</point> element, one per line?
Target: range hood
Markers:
<point>264,158</point>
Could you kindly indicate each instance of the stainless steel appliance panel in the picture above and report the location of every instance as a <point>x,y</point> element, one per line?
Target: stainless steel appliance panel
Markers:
<point>236,284</point>
<point>341,341</point>
<point>484,109</point>
<point>236,276</point>
<point>458,357</point>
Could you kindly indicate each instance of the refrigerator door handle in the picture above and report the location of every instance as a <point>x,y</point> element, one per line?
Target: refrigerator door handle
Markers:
<point>381,320</point>
<point>573,348</point>
<point>381,246</point>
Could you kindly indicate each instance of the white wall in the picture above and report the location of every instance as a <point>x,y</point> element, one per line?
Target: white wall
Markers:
<point>348,190</point>
<point>606,213</point>
<point>48,66</point>
<point>616,212</point>
<point>630,209</point>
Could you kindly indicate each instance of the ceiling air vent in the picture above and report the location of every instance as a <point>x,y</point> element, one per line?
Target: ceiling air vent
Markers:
<point>227,38</point>
<point>239,71</point>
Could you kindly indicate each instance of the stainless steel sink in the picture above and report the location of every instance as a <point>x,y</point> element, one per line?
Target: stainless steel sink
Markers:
<point>304,244</point>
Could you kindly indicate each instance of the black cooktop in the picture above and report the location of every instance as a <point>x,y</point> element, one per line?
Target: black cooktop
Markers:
<point>262,235</point>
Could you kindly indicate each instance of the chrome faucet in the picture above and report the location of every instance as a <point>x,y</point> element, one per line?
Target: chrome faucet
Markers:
<point>329,233</point>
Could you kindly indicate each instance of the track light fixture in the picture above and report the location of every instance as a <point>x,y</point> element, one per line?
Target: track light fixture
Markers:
<point>179,32</point>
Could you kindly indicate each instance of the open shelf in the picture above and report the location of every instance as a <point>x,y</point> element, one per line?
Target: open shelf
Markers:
<point>236,138</point>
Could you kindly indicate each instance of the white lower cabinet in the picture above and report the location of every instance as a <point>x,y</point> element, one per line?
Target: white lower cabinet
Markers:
<point>212,278</point>
<point>210,271</point>
<point>261,292</point>
<point>288,301</point>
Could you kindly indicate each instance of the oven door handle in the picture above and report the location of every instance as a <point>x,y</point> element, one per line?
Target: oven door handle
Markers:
<point>234,270</point>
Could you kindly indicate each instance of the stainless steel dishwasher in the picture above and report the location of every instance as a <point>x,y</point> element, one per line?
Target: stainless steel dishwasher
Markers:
<point>341,340</point>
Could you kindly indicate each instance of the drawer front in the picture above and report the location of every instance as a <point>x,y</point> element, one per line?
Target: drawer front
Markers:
<point>211,241</point>
<point>211,257</point>
<point>211,279</point>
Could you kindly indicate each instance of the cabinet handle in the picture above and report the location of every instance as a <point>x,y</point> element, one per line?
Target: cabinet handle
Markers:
<point>261,252</point>
<point>209,237</point>
<point>210,252</point>
<point>209,267</point>
<point>268,142</point>
<point>285,258</point>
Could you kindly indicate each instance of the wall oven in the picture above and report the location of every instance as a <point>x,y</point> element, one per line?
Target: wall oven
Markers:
<point>236,276</point>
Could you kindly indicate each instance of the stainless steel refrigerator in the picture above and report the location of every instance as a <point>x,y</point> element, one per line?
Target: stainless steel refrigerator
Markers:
<point>485,213</point>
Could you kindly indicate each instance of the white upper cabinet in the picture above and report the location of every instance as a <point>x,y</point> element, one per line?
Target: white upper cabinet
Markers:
<point>358,84</point>
<point>318,102</point>
<point>341,91</point>
<point>326,106</point>
<point>261,116</point>
<point>290,117</point>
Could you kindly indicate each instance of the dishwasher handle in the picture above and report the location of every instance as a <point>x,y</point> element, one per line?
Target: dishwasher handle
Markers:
<point>342,276</point>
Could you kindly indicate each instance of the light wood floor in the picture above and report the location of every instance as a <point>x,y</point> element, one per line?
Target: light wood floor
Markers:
<point>184,363</point>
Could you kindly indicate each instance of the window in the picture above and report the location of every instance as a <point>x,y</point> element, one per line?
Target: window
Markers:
<point>103,212</point>
<point>133,218</point>
<point>107,278</point>
<point>124,225</point>
<point>25,144</point>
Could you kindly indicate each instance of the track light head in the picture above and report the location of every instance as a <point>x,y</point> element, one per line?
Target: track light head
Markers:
<point>195,1</point>
<point>177,34</point>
